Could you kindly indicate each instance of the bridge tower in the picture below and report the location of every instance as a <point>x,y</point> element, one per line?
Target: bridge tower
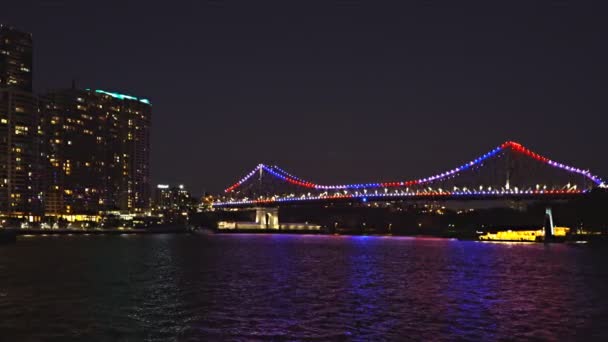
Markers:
<point>267,217</point>
<point>261,175</point>
<point>549,227</point>
<point>509,169</point>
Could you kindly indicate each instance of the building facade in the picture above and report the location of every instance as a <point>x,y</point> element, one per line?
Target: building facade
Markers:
<point>97,146</point>
<point>19,153</point>
<point>16,59</point>
<point>128,120</point>
<point>168,197</point>
<point>75,163</point>
<point>19,115</point>
<point>173,204</point>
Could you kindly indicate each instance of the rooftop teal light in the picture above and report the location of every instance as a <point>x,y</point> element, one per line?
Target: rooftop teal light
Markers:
<point>122,96</point>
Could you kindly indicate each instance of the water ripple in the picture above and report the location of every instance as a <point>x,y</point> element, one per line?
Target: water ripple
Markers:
<point>270,287</point>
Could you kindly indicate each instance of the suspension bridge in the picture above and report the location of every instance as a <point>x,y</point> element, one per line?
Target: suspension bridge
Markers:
<point>509,171</point>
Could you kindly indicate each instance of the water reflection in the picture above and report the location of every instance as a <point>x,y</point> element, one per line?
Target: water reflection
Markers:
<point>471,292</point>
<point>298,287</point>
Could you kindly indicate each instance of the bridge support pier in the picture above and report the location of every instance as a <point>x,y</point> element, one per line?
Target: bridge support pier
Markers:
<point>267,217</point>
<point>549,227</point>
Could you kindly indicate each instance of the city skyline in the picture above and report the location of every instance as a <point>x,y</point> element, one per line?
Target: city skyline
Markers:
<point>67,153</point>
<point>336,85</point>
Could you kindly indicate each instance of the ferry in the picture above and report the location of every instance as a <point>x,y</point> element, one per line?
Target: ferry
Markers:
<point>536,235</point>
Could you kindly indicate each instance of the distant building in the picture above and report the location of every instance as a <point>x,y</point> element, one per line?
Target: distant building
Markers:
<point>97,146</point>
<point>172,197</point>
<point>18,125</point>
<point>15,59</point>
<point>173,203</point>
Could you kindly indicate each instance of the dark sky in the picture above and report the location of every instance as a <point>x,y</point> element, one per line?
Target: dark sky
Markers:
<point>336,91</point>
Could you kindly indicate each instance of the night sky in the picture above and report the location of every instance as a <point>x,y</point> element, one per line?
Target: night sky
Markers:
<point>335,91</point>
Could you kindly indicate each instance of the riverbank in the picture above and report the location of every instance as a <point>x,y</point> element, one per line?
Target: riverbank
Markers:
<point>7,233</point>
<point>270,231</point>
<point>463,236</point>
<point>10,235</point>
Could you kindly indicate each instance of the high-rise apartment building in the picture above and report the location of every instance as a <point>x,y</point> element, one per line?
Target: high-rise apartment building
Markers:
<point>128,146</point>
<point>97,144</point>
<point>19,153</point>
<point>15,59</point>
<point>75,160</point>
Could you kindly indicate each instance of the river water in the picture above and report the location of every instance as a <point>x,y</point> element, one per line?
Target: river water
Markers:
<point>298,287</point>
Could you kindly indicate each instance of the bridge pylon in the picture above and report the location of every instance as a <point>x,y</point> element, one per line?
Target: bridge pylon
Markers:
<point>549,227</point>
<point>267,217</point>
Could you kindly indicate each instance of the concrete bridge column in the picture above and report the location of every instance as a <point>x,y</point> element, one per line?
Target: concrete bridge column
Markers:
<point>267,217</point>
<point>549,227</point>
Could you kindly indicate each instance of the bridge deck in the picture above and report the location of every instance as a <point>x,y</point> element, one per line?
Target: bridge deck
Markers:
<point>541,196</point>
